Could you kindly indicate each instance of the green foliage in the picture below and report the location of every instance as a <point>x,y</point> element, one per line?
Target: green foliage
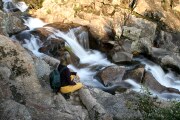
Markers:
<point>151,108</point>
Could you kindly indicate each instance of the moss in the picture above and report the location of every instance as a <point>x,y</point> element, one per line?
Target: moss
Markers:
<point>18,97</point>
<point>17,64</point>
<point>18,69</point>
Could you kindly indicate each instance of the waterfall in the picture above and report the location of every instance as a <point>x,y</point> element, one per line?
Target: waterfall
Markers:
<point>91,57</point>
<point>9,6</point>
<point>77,40</point>
<point>165,79</point>
<point>139,88</point>
<point>95,58</point>
<point>33,23</point>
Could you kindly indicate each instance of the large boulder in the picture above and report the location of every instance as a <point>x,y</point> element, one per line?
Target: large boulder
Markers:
<point>121,106</point>
<point>13,110</point>
<point>111,75</point>
<point>121,57</point>
<point>167,16</point>
<point>154,85</point>
<point>18,74</point>
<point>136,74</point>
<point>13,24</point>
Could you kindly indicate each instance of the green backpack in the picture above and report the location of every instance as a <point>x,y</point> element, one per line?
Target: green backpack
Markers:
<point>55,79</point>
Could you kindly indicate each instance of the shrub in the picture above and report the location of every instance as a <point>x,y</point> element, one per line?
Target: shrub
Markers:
<point>152,109</point>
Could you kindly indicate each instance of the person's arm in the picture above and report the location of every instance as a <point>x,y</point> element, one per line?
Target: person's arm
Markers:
<point>73,73</point>
<point>68,78</point>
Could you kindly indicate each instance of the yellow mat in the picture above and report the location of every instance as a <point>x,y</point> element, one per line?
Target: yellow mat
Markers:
<point>71,88</point>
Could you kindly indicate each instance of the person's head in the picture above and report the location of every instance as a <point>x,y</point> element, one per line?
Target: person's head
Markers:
<point>63,62</point>
<point>65,58</point>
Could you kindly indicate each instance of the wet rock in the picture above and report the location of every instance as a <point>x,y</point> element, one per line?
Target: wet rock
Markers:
<point>122,57</point>
<point>136,74</point>
<point>42,33</point>
<point>10,7</point>
<point>152,83</point>
<point>1,5</point>
<point>63,26</point>
<point>111,75</point>
<point>166,58</point>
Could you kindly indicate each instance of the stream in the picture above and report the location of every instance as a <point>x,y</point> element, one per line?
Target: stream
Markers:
<point>90,57</point>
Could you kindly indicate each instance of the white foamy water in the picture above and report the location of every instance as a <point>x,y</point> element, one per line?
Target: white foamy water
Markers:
<point>21,6</point>
<point>165,79</point>
<point>90,57</point>
<point>95,58</point>
<point>33,23</point>
<point>7,4</point>
<point>33,46</point>
<point>6,1</point>
<point>86,76</point>
<point>139,88</point>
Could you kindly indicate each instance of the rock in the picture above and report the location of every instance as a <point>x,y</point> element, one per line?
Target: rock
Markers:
<point>144,28</point>
<point>169,41</point>
<point>122,57</point>
<point>4,84</point>
<point>116,2</point>
<point>13,24</point>
<point>13,110</point>
<point>64,27</point>
<point>166,58</point>
<point>2,27</point>
<point>96,111</point>
<point>108,10</point>
<point>144,46</point>
<point>42,68</point>
<point>136,74</point>
<point>1,5</point>
<point>19,61</point>
<point>132,33</point>
<point>111,75</point>
<point>121,106</point>
<point>126,45</point>
<point>152,83</point>
<point>177,8</point>
<point>170,18</point>
<point>42,33</point>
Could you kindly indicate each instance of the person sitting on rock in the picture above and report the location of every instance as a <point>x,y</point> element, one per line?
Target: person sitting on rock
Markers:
<point>67,83</point>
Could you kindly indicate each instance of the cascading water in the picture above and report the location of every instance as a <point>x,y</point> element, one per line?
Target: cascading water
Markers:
<point>10,6</point>
<point>167,80</point>
<point>92,57</point>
